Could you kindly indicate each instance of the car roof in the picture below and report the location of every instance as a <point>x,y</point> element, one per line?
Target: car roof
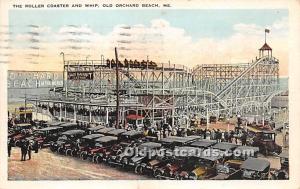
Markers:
<point>255,164</point>
<point>116,131</point>
<point>96,128</point>
<point>211,154</point>
<point>68,124</point>
<point>49,128</point>
<point>73,132</point>
<point>178,139</point>
<point>246,148</point>
<point>105,130</point>
<point>188,151</point>
<point>93,136</point>
<point>224,146</point>
<point>268,131</point>
<point>203,143</point>
<point>23,124</point>
<point>54,124</point>
<point>150,145</point>
<point>132,133</point>
<point>106,139</point>
<point>284,154</point>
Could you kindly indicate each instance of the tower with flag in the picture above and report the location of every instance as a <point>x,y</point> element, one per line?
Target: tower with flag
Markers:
<point>265,49</point>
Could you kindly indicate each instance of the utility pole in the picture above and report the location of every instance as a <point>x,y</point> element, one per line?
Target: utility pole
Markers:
<point>117,88</point>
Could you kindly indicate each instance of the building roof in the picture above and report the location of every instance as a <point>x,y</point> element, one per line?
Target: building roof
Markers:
<point>265,47</point>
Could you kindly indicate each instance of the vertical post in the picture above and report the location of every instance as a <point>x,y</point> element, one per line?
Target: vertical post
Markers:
<point>147,84</point>
<point>25,101</point>
<point>90,114</point>
<point>117,88</point>
<point>106,121</point>
<point>75,113</point>
<point>65,111</point>
<point>60,112</point>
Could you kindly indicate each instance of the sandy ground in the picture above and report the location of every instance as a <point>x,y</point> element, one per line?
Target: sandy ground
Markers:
<point>46,165</point>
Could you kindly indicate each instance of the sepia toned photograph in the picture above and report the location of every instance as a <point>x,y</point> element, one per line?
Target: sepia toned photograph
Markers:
<point>151,91</point>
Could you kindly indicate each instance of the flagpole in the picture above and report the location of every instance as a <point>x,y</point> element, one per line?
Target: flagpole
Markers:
<point>265,36</point>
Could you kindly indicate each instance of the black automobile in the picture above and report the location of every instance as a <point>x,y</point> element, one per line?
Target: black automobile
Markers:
<point>67,140</point>
<point>203,143</point>
<point>255,169</point>
<point>93,130</point>
<point>105,130</point>
<point>144,153</point>
<point>87,143</point>
<point>46,135</point>
<point>103,149</point>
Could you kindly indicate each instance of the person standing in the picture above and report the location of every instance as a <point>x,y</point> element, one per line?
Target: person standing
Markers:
<point>29,149</point>
<point>23,150</point>
<point>9,145</point>
<point>244,139</point>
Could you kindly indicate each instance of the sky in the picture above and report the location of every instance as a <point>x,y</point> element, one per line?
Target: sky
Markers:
<point>181,36</point>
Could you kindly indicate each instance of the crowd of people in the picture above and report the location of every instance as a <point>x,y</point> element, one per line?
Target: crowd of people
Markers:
<point>238,136</point>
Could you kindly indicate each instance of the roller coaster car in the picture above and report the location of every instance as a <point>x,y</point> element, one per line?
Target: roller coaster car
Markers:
<point>87,143</point>
<point>46,135</point>
<point>255,169</point>
<point>265,141</point>
<point>145,153</point>
<point>66,141</point>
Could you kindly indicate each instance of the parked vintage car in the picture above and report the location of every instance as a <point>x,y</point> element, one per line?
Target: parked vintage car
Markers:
<point>172,141</point>
<point>255,169</point>
<point>46,135</point>
<point>69,126</point>
<point>20,132</point>
<point>66,141</point>
<point>204,143</point>
<point>116,132</point>
<point>265,140</point>
<point>145,152</point>
<point>231,169</point>
<point>54,124</point>
<point>104,148</point>
<point>127,140</point>
<point>105,130</point>
<point>87,143</point>
<point>226,149</point>
<point>182,160</point>
<point>283,172</point>
<point>93,130</point>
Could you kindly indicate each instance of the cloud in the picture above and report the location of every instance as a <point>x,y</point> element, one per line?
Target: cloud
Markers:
<point>161,42</point>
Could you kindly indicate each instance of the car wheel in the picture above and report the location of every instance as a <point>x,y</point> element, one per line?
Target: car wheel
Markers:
<point>157,174</point>
<point>68,150</point>
<point>83,155</point>
<point>94,159</point>
<point>137,169</point>
<point>58,150</point>
<point>98,159</point>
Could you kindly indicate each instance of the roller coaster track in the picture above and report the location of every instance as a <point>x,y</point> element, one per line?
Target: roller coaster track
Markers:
<point>131,78</point>
<point>235,80</point>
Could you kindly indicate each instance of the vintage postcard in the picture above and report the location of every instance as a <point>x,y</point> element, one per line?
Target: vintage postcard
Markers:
<point>144,91</point>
